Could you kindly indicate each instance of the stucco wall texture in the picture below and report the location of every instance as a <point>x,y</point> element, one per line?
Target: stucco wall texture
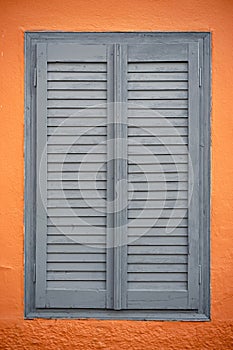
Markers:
<point>18,16</point>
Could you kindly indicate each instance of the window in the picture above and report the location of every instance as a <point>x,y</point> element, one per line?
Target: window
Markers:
<point>117,175</point>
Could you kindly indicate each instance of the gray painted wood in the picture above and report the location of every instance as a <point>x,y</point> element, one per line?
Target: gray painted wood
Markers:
<point>110,176</point>
<point>145,299</point>
<point>41,175</point>
<point>159,94</point>
<point>130,38</point>
<point>170,68</point>
<point>158,52</point>
<point>120,177</point>
<point>194,177</point>
<point>76,67</point>
<point>76,298</point>
<point>76,53</point>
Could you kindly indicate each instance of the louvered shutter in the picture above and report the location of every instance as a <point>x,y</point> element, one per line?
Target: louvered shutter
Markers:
<point>117,199</point>
<point>163,176</point>
<point>72,175</point>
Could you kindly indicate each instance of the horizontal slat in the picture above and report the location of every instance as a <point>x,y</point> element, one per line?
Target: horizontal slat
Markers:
<point>157,186</point>
<point>83,76</point>
<point>157,94</point>
<point>149,223</point>
<point>94,176</point>
<point>155,150</point>
<point>77,86</point>
<point>161,76</point>
<point>161,142</point>
<point>76,158</point>
<point>157,131</point>
<point>165,168</point>
<point>155,213</point>
<point>95,168</point>
<point>164,277</point>
<point>77,238</point>
<point>158,285</point>
<point>159,159</point>
<point>79,121</point>
<point>81,266</point>
<point>76,131</point>
<point>77,194</point>
<point>82,185</point>
<point>145,103</point>
<point>73,95</point>
<point>76,140</point>
<point>145,195</point>
<point>75,248</point>
<point>77,285</point>
<point>77,113</point>
<point>146,82</point>
<point>77,148</point>
<point>83,231</point>
<point>166,67</point>
<point>76,276</point>
<point>135,177</point>
<point>145,122</point>
<point>76,67</point>
<point>79,212</point>
<point>157,259</point>
<point>157,231</point>
<point>167,204</point>
<point>158,113</point>
<point>167,240</point>
<point>85,220</point>
<point>160,250</point>
<point>79,103</point>
<point>76,257</point>
<point>162,268</point>
<point>76,203</point>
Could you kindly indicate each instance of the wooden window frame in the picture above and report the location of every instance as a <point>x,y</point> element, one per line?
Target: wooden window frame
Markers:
<point>204,41</point>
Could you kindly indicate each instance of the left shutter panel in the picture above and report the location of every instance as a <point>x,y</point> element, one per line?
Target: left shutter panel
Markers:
<point>71,175</point>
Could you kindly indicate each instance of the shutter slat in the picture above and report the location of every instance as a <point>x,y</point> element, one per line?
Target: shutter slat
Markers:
<point>76,194</point>
<point>76,121</point>
<point>156,94</point>
<point>159,222</point>
<point>81,76</point>
<point>80,286</point>
<point>76,95</point>
<point>157,285</point>
<point>76,67</point>
<point>157,231</point>
<point>158,240</point>
<point>161,122</point>
<point>76,258</point>
<point>80,266</point>
<point>162,268</point>
<point>157,259</point>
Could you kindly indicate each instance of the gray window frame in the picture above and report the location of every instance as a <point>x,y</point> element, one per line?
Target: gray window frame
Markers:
<point>204,40</point>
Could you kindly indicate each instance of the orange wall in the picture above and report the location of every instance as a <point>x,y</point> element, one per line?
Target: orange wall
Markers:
<point>111,15</point>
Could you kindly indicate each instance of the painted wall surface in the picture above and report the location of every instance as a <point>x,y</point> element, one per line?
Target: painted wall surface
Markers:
<point>18,16</point>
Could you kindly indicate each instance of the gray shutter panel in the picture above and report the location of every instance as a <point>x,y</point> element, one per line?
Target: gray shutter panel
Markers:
<point>71,230</point>
<point>163,176</point>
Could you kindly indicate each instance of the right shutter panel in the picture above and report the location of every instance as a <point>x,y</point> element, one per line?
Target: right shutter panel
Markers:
<point>163,215</point>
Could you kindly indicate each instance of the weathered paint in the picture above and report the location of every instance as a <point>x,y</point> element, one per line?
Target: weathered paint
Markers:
<point>101,15</point>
